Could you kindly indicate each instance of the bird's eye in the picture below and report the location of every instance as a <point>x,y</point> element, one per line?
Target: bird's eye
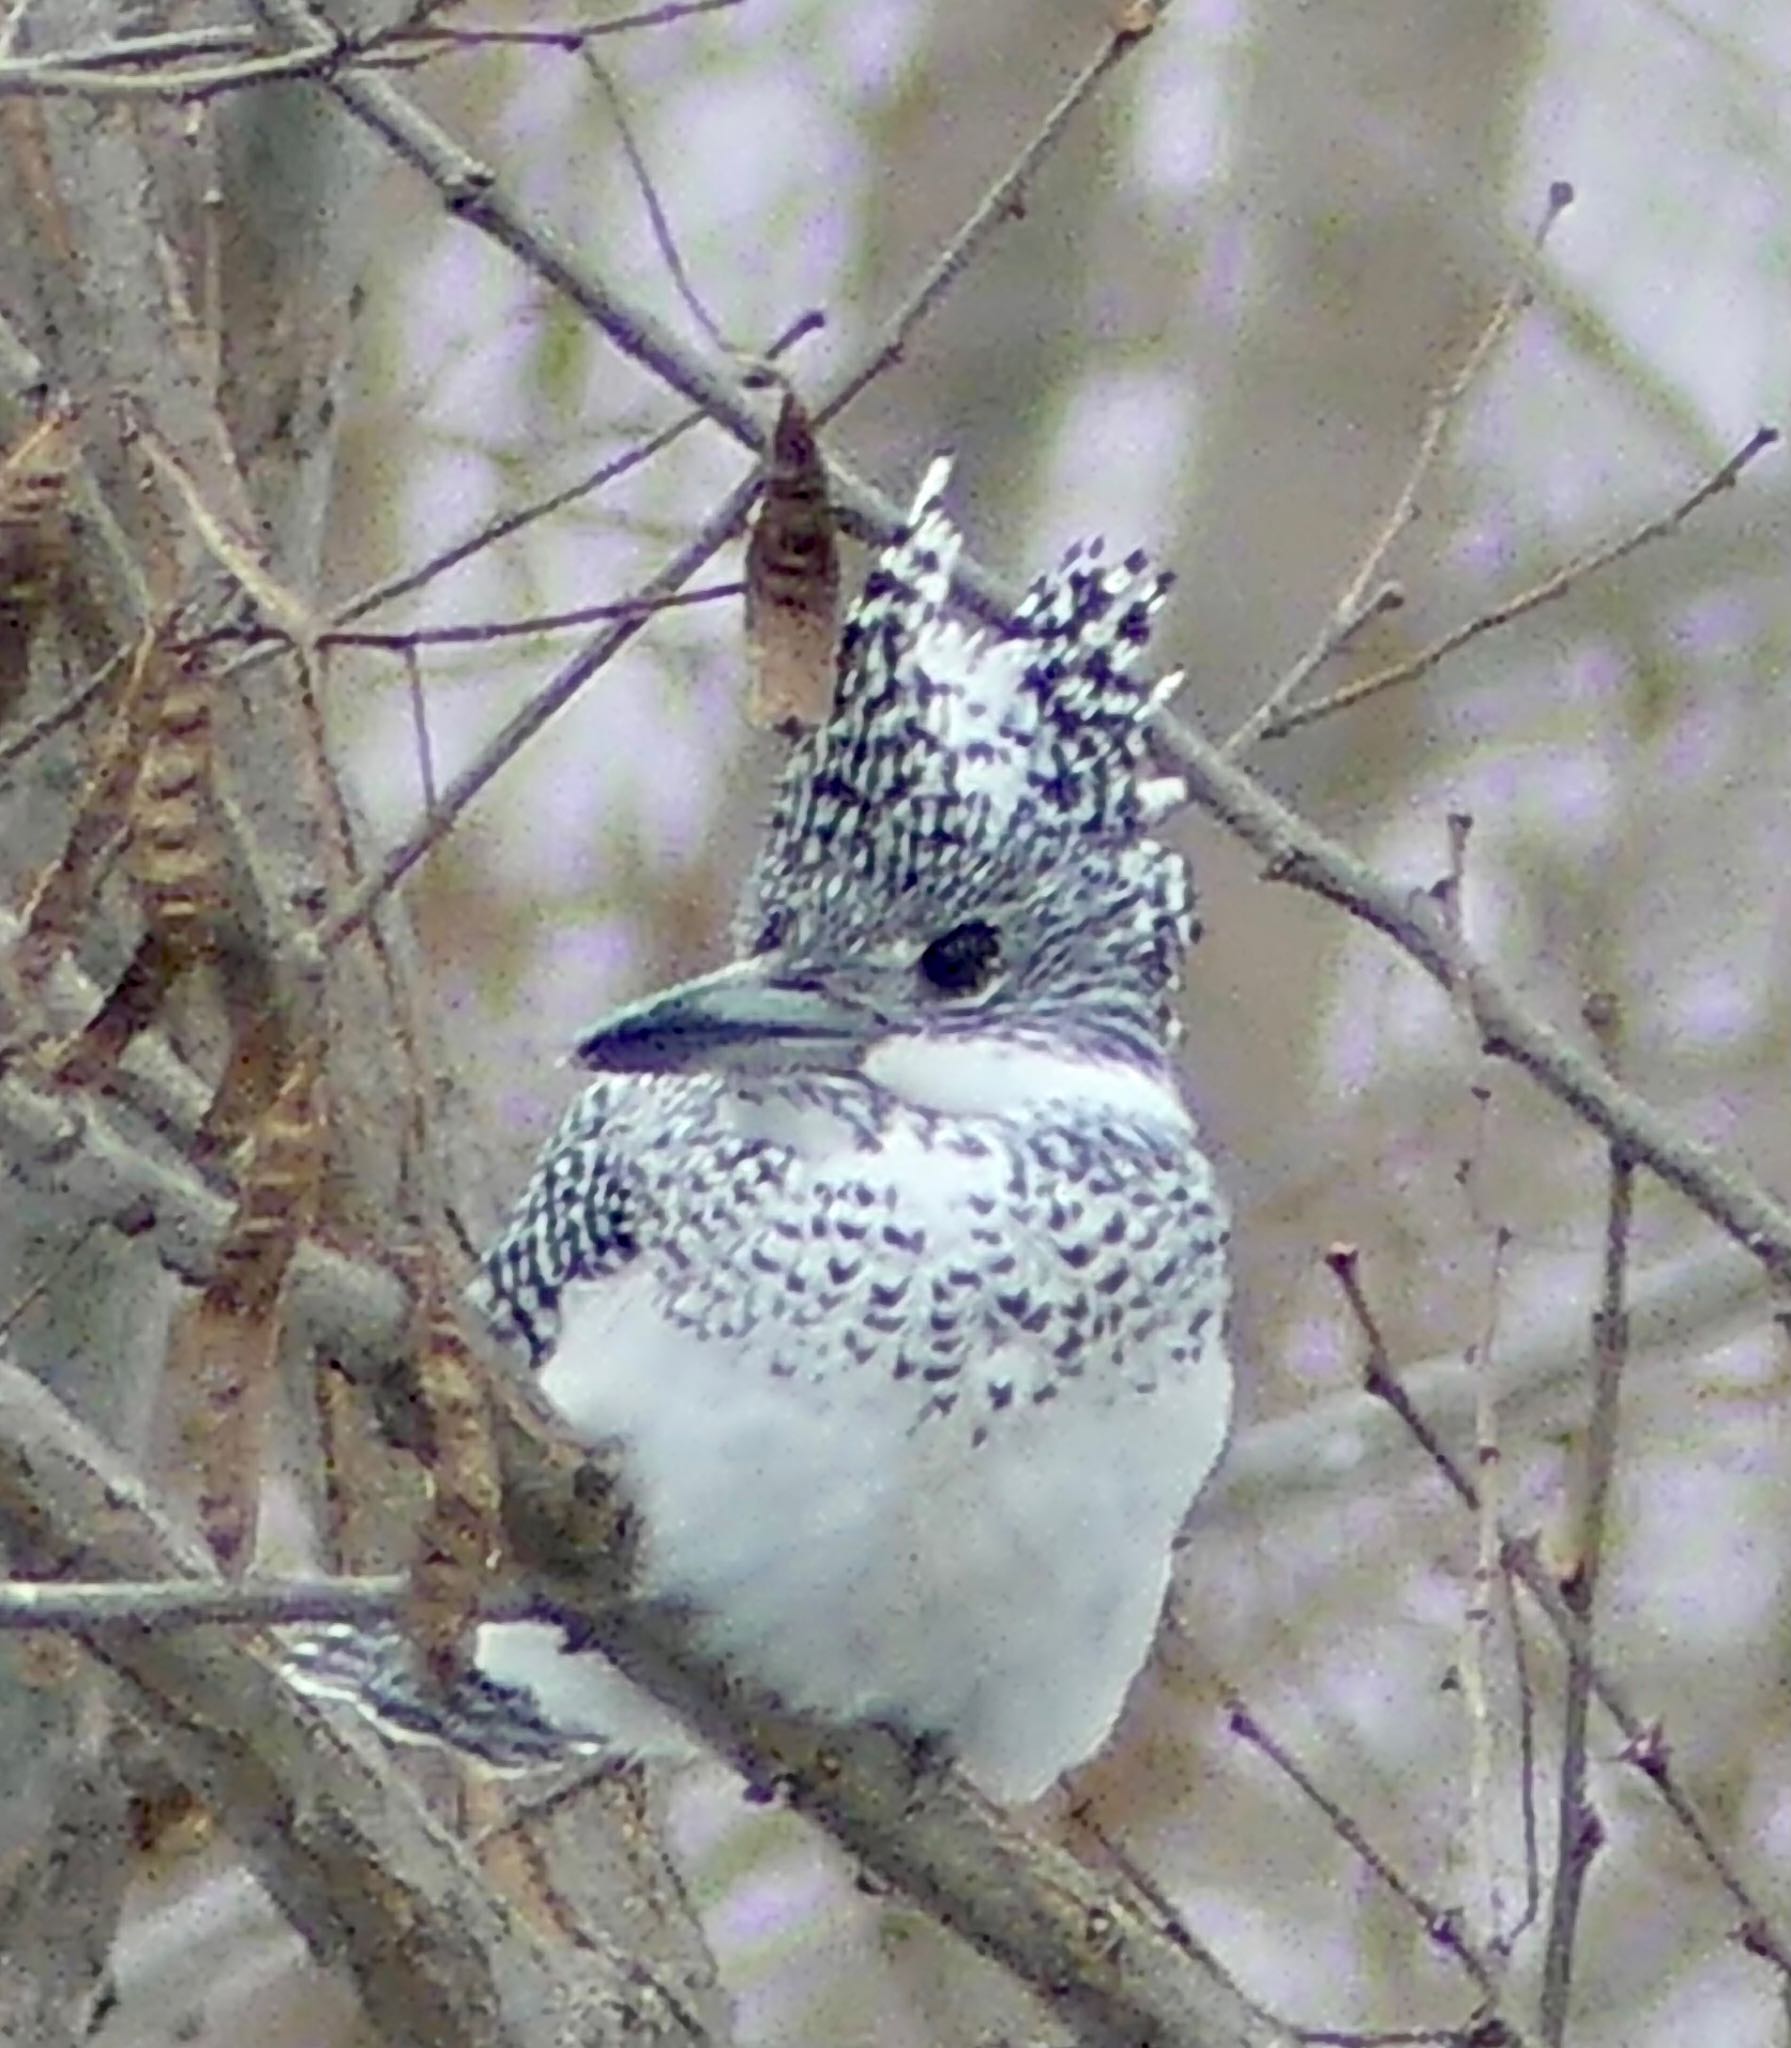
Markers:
<point>962,961</point>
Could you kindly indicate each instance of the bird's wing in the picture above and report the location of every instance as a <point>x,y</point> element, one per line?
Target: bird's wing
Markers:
<point>578,1218</point>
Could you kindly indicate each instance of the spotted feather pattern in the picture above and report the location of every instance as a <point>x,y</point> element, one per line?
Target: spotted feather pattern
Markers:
<point>957,769</point>
<point>573,1222</point>
<point>379,1671</point>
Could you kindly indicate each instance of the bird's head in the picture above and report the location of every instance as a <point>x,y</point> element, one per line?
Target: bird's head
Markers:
<point>961,853</point>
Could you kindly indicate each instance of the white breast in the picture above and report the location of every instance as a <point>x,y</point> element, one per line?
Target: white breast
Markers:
<point>997,1587</point>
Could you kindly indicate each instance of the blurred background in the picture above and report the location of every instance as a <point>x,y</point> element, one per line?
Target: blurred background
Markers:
<point>1214,329</point>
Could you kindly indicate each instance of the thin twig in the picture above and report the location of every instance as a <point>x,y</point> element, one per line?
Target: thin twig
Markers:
<point>512,522</point>
<point>1526,1766</point>
<point>1443,1924</point>
<point>1344,1264</point>
<point>1336,636</point>
<point>1168,1918</point>
<point>1341,1443</point>
<point>118,53</point>
<point>1565,579</point>
<point>569,36</point>
<point>477,632</point>
<point>657,217</point>
<point>105,71</point>
<point>1297,853</point>
<point>1645,1745</point>
<point>1366,596</point>
<point>469,188</point>
<point>721,525</point>
<point>1646,1749</point>
<point>123,52</point>
<point>48,80</point>
<point>419,725</point>
<point>490,532</point>
<point>1000,203</point>
<point>1482,1615</point>
<point>407,581</point>
<point>28,1606</point>
<point>71,707</point>
<point>1578,1832</point>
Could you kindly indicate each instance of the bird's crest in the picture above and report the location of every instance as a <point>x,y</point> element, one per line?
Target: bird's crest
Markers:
<point>959,768</point>
<point>944,740</point>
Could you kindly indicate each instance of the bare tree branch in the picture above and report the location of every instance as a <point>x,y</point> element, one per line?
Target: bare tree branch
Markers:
<point>1568,577</point>
<point>1646,1746</point>
<point>1578,1831</point>
<point>86,1607</point>
<point>72,1154</point>
<point>1442,1924</point>
<point>95,1162</point>
<point>474,193</point>
<point>1343,1443</point>
<point>1364,596</point>
<point>344,1846</point>
<point>1297,853</point>
<point>1003,200</point>
<point>503,747</point>
<point>110,70</point>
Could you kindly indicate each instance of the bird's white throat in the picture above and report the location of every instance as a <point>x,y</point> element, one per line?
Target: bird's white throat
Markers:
<point>992,1074</point>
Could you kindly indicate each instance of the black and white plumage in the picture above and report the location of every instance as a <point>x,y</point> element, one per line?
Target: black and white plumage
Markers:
<point>888,1253</point>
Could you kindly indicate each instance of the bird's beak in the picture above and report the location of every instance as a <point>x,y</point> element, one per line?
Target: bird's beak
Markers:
<point>754,1017</point>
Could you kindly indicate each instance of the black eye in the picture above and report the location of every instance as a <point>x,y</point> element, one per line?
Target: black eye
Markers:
<point>962,961</point>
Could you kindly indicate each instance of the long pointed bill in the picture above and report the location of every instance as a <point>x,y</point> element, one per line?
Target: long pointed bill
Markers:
<point>743,1019</point>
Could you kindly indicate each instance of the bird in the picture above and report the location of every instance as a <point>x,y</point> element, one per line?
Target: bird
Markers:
<point>887,1254</point>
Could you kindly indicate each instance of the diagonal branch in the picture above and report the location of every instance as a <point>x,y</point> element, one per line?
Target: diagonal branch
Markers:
<point>1115,1970</point>
<point>1279,719</point>
<point>343,1846</point>
<point>518,731</point>
<point>1365,596</point>
<point>1645,1744</point>
<point>74,1157</point>
<point>472,190</point>
<point>357,1314</point>
<point>1004,200</point>
<point>1296,852</point>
